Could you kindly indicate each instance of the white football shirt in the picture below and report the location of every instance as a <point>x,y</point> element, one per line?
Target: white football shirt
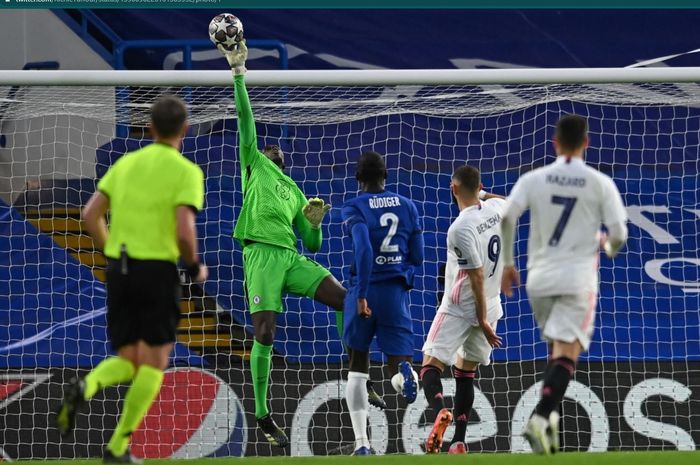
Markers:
<point>568,202</point>
<point>474,241</point>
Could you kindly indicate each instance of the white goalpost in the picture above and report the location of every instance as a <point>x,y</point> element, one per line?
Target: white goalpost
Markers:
<point>637,388</point>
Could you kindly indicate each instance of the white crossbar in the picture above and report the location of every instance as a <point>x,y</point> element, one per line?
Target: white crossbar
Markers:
<point>352,77</point>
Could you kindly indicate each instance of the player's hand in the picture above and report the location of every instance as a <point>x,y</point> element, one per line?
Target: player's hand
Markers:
<point>604,245</point>
<point>602,239</point>
<point>363,309</point>
<point>315,210</point>
<point>236,58</point>
<point>510,280</point>
<point>493,339</point>
<point>202,275</point>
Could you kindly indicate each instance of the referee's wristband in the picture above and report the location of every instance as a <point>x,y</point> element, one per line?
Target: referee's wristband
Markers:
<point>193,270</point>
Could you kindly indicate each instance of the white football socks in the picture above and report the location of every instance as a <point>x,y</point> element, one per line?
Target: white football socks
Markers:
<point>356,398</point>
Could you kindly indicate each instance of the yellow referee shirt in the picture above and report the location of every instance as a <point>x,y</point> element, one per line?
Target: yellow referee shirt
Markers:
<point>144,189</point>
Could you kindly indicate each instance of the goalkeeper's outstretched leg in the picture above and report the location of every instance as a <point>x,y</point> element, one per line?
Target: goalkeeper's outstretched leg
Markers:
<point>264,323</point>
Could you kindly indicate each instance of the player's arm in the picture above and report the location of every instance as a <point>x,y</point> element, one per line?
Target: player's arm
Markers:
<point>187,243</point>
<point>476,280</point>
<point>483,195</point>
<point>416,245</point>
<point>363,254</point>
<point>362,249</point>
<point>516,204</point>
<point>247,137</point>
<point>311,236</point>
<point>308,221</point>
<point>469,260</point>
<point>93,216</point>
<point>615,239</point>
<point>188,201</point>
<point>614,219</point>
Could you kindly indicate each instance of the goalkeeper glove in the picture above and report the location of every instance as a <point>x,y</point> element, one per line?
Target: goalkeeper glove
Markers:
<point>236,58</point>
<point>315,210</point>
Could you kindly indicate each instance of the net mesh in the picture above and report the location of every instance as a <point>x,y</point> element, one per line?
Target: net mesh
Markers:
<point>633,390</point>
<point>323,104</point>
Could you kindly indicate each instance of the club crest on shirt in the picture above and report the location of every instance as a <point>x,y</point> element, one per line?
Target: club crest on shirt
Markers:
<point>458,252</point>
<point>283,190</point>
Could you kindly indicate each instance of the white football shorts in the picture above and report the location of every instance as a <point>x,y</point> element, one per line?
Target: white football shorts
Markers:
<point>566,318</point>
<point>451,336</point>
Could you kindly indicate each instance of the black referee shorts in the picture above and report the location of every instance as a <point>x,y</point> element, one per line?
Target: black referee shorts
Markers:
<point>143,302</point>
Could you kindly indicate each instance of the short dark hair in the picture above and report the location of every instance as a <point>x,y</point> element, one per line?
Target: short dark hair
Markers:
<point>370,168</point>
<point>168,116</point>
<point>272,149</point>
<point>571,131</point>
<point>468,177</point>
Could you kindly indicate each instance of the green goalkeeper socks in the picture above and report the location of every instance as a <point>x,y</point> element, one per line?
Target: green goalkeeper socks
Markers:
<point>139,398</point>
<point>110,371</point>
<point>339,322</point>
<point>260,359</point>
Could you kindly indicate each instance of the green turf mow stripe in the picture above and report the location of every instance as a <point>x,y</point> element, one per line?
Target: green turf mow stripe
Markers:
<point>580,458</point>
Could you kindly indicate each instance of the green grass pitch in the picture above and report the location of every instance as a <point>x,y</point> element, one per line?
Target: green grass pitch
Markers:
<point>605,458</point>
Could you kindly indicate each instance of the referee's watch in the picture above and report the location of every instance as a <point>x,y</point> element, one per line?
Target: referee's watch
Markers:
<point>193,270</point>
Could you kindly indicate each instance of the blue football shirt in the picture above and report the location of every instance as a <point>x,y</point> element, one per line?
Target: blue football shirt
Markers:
<point>395,234</point>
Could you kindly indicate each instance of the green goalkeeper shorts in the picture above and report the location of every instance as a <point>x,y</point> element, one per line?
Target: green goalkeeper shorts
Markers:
<point>271,271</point>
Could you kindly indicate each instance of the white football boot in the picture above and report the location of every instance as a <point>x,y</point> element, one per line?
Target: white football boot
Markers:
<point>537,434</point>
<point>554,431</point>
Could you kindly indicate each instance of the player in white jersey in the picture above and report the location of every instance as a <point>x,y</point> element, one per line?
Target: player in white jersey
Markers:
<point>463,332</point>
<point>568,202</point>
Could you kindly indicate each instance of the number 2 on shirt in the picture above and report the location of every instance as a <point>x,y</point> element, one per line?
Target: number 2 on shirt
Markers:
<point>568,203</point>
<point>391,220</point>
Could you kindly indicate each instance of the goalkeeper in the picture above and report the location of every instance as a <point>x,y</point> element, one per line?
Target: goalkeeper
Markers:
<point>273,207</point>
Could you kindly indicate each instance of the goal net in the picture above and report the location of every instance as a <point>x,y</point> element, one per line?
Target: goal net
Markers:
<point>637,388</point>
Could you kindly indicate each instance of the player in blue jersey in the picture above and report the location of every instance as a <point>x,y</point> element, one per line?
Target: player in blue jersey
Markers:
<point>387,242</point>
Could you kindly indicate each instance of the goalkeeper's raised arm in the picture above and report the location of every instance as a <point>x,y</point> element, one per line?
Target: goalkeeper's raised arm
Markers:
<point>247,136</point>
<point>273,213</point>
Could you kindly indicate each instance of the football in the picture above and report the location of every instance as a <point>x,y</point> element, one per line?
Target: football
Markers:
<point>226,30</point>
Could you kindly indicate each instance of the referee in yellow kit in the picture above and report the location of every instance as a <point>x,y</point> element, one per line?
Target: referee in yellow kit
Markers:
<point>153,196</point>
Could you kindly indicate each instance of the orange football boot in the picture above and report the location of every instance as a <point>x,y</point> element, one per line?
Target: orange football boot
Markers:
<point>433,444</point>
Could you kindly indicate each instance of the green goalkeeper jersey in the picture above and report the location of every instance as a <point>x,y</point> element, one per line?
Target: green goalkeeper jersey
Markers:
<point>272,202</point>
